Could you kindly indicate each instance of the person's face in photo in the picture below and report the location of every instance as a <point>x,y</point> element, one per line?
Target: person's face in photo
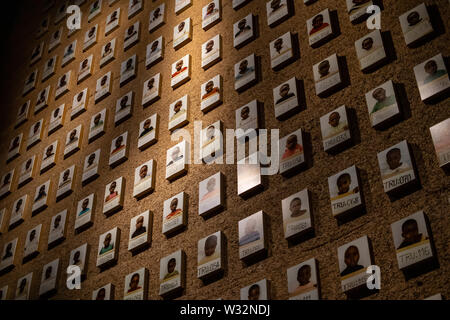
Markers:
<point>66,175</point>
<point>304,274</point>
<point>50,63</point>
<point>97,119</point>
<point>76,257</point>
<point>22,110</point>
<point>7,178</point>
<point>210,245</point>
<point>103,81</point>
<point>209,46</point>
<point>134,282</point>
<point>245,112</point>
<point>36,127</point>
<point>295,206</point>
<point>28,164</point>
<point>410,231</point>
<point>393,158</point>
<point>156,13</point>
<point>130,30</point>
<point>155,46</point>
<point>56,113</point>
<point>242,24</point>
<point>18,205</point>
<point>211,185</point>
<point>333,120</point>
<point>91,32</point>
<point>284,90</point>
<point>112,187</point>
<point>108,47</point>
<point>324,68</point>
<point>291,142</point>
<point>57,222</point>
<point>42,190</point>
<point>62,82</point>
<point>177,106</point>
<point>129,64</point>
<point>32,235</point>
<point>179,65</point>
<point>343,183</point>
<point>351,256</point>
<point>209,87</point>
<point>8,248</point>
<point>175,153</point>
<point>91,159</point>
<point>143,172</point>
<point>181,26</point>
<point>317,21</point>
<point>250,226</point>
<point>49,151</point>
<point>430,67</point>
<point>101,294</point>
<point>107,240</point>
<point>139,223</point>
<point>278,45</point>
<point>367,44</point>
<point>48,272</point>
<point>73,134</point>
<point>119,142</point>
<point>113,16</point>
<point>80,96</point>
<point>173,204</point>
<point>171,265</point>
<point>210,8</point>
<point>85,204</point>
<point>254,292</point>
<point>243,66</point>
<point>56,35</point>
<point>150,83</point>
<point>379,94</point>
<point>413,18</point>
<point>22,285</point>
<point>123,102</point>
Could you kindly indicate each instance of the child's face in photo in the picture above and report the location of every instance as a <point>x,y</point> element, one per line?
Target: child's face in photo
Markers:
<point>210,245</point>
<point>209,87</point>
<point>28,164</point>
<point>57,222</point>
<point>413,18</point>
<point>129,63</point>
<point>130,30</point>
<point>107,240</point>
<point>181,26</point>
<point>367,43</point>
<point>351,257</point>
<point>97,119</point>
<point>119,141</point>
<point>304,274</point>
<point>177,106</point>
<point>143,171</point>
<point>171,265</point>
<point>324,68</point>
<point>210,8</point>
<point>245,112</point>
<point>101,294</point>
<point>211,184</point>
<point>334,119</point>
<point>243,66</point>
<point>112,187</point>
<point>80,96</point>
<point>275,4</point>
<point>123,102</point>
<point>18,205</point>
<point>66,175</point>
<point>379,94</point>
<point>295,206</point>
<point>343,183</point>
<point>91,32</point>
<point>209,46</point>
<point>210,132</point>
<point>48,272</point>
<point>150,83</point>
<point>175,153</point>
<point>147,124</point>
<point>430,67</point>
<point>139,223</point>
<point>85,204</point>
<point>278,44</point>
<point>253,293</point>
<point>179,65</point>
<point>410,231</point>
<point>91,159</point>
<point>42,190</point>
<point>55,113</point>
<point>134,283</point>
<point>284,90</point>
<point>104,80</point>
<point>291,142</point>
<point>174,204</point>
<point>108,46</point>
<point>32,235</point>
<point>317,21</point>
<point>393,158</point>
<point>155,45</point>
<point>73,134</point>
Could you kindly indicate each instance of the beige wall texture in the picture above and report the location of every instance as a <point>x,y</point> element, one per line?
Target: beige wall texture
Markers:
<point>432,197</point>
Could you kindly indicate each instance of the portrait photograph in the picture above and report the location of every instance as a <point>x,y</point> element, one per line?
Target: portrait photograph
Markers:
<point>85,69</point>
<point>131,36</point>
<point>7,257</point>
<point>256,291</point>
<point>440,134</point>
<point>6,183</point>
<point>103,87</point>
<point>23,287</point>
<point>63,84</point>
<point>248,175</point>
<point>32,241</point>
<point>247,119</point>
<point>335,128</point>
<point>119,149</point>
<point>108,53</point>
<point>177,160</point>
<point>30,82</point>
<point>144,179</point>
<point>211,94</point>
<point>49,68</point>
<point>14,147</point>
<point>23,114</point>
<point>79,103</point>
<point>84,213</point>
<point>135,287</point>
<point>148,132</point>
<point>42,100</point>
<point>155,52</point>
<point>251,235</point>
<point>104,293</point>
<point>291,151</point>
<point>296,211</point>
<point>319,28</point>
<point>281,51</point>
<point>211,14</point>
<point>344,191</point>
<point>382,104</point>
<point>128,70</point>
<point>134,7</point>
<point>245,73</point>
<point>55,39</point>
<point>179,113</point>
<point>157,17</point>
<point>78,257</point>
<point>181,5</point>
<point>61,12</point>
<point>151,91</point>
<point>123,108</point>
<point>49,277</point>
<point>174,214</point>
<point>27,171</point>
<point>17,211</point>
<point>277,11</point>
<point>57,230</point>
<point>90,37</point>
<point>112,21</point>
<point>69,53</point>
<point>416,24</point>
<point>108,247</point>
<point>327,75</point>
<point>171,269</point>
<point>36,55</point>
<point>182,33</point>
<point>370,50</point>
<point>97,126</point>
<point>432,77</point>
<point>40,200</point>
<point>302,281</point>
<point>140,231</point>
<point>113,199</point>
<point>209,259</point>
<point>211,51</point>
<point>48,157</point>
<point>243,31</point>
<point>90,167</point>
<point>94,9</point>
<point>57,117</point>
<point>357,9</point>
<point>65,183</point>
<point>211,197</point>
<point>181,71</point>
<point>212,143</point>
<point>73,141</point>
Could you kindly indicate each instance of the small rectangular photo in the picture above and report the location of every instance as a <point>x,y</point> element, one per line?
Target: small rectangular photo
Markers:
<point>36,54</point>
<point>152,90</point>
<point>23,114</point>
<point>256,291</point>
<point>73,141</point>
<point>131,36</point>
<point>42,99</point>
<point>65,183</point>
<point>79,256</point>
<point>411,240</point>
<point>4,293</point>
<point>108,247</point>
<point>17,211</point>
<point>57,230</point>
<point>8,253</point>
<point>211,14</point>
<point>335,128</point>
<point>79,103</point>
<point>57,118</point>
<point>157,17</point>
<point>23,287</point>
<point>155,52</point>
<point>296,212</point>
<point>249,175</point>
<point>112,21</point>
<point>49,278</point>
<point>14,147</point>
<point>140,231</point>
<point>119,150</point>
<point>177,158</point>
<point>128,70</point>
<point>43,27</point>
<point>181,71</point>
<point>303,281</point>
<point>32,242</point>
<point>48,157</point>
<point>211,94</point>
<point>97,126</point>
<point>90,167</point>
<point>104,293</point>
<point>27,171</point>
<point>174,214</point>
<point>416,24</point>
<point>182,33</point>
<point>212,143</point>
<point>345,192</point>
<point>247,118</point>
<point>171,273</point>
<point>144,179</point>
<point>85,69</point>
<point>108,53</point>
<point>55,39</point>
<point>292,152</point>
<point>114,194</point>
<point>370,50</point>
<point>357,9</point>
<point>327,75</point>
<point>94,9</point>
<point>179,113</point>
<point>354,259</point>
<point>30,82</point>
<point>251,235</point>
<point>134,7</point>
<point>211,197</point>
<point>244,31</point>
<point>211,51</point>
<point>396,167</point>
<point>432,77</point>
<point>63,84</point>
<point>6,183</point>
<point>123,108</point>
<point>84,213</point>
<point>90,37</point>
<point>40,201</point>
<point>69,53</point>
<point>382,104</point>
<point>319,28</point>
<point>103,87</point>
<point>181,5</point>
<point>440,133</point>
<point>49,68</point>
<point>135,287</point>
<point>281,51</point>
<point>61,12</point>
<point>277,11</point>
<point>209,259</point>
<point>148,132</point>
<point>245,73</point>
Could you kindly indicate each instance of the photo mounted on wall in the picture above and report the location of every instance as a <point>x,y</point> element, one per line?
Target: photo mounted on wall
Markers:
<point>416,25</point>
<point>79,257</point>
<point>182,33</point>
<point>181,5</point>
<point>292,152</point>
<point>108,53</point>
<point>245,73</point>
<point>354,259</point>
<point>14,147</point>
<point>244,31</point>
<point>440,133</point>
<point>40,200</point>
<point>49,69</point>
<point>357,9</point>
<point>345,192</point>
<point>57,230</point>
<point>302,281</point>
<point>247,118</point>
<point>90,167</point>
<point>49,157</point>
<point>108,247</point>
<point>27,171</point>
<point>144,179</point>
<point>8,253</point>
<point>49,278</point>
<point>140,231</point>
<point>17,211</point>
<point>320,28</point>
<point>179,113</point>
<point>42,100</point>
<point>36,55</point>
<point>131,36</point>
<point>135,287</point>
<point>104,293</point>
<point>57,119</point>
<point>112,21</point>
<point>211,14</point>
<point>251,236</point>
<point>103,87</point>
<point>327,76</point>
<point>211,51</point>
<point>6,183</point>
<point>134,7</point>
<point>211,94</point>
<point>95,9</point>
<point>4,293</point>
<point>209,259</point>
<point>181,71</point>
<point>211,197</point>
<point>128,70</point>
<point>382,105</point>
<point>396,166</point>
<point>23,114</point>
<point>55,39</point>
<point>177,160</point>
<point>114,194</point>
<point>249,175</point>
<point>277,11</point>
<point>256,291</point>
<point>152,90</point>
<point>32,240</point>
<point>432,78</point>
<point>65,183</point>
<point>73,141</point>
<point>148,132</point>
<point>335,129</point>
<point>23,287</point>
<point>90,37</point>
<point>119,150</point>
<point>123,108</point>
<point>155,52</point>
<point>97,126</point>
<point>63,84</point>
<point>69,53</point>
<point>157,17</point>
<point>281,51</point>
<point>174,215</point>
<point>30,82</point>
<point>171,273</point>
<point>212,142</point>
<point>79,104</point>
<point>237,4</point>
<point>370,51</point>
<point>61,13</point>
<point>296,211</point>
<point>84,213</point>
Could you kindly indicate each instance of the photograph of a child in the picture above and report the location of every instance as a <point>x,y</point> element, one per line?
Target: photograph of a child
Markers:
<point>255,291</point>
<point>248,174</point>
<point>243,31</point>
<point>154,51</point>
<point>357,8</point>
<point>118,149</point>
<point>84,207</point>
<point>211,51</point>
<point>211,142</point>
<point>42,99</point>
<point>107,242</point>
<point>123,107</point>
<point>18,209</point>
<point>247,117</point>
<point>412,231</point>
<point>251,231</point>
<point>78,257</point>
<point>37,53</point>
<point>180,71</point>
<point>69,53</point>
<point>113,190</point>
<point>382,103</point>
<point>103,293</point>
<point>143,178</point>
<point>276,11</point>
<point>171,269</point>
<point>49,68</point>
<point>334,127</point>
<point>23,287</point>
<point>27,170</point>
<point>139,226</point>
<point>55,39</point>
<point>326,74</point>
<point>108,51</point>
<point>182,33</point>
<point>302,281</point>
<point>296,213</point>
<point>91,164</point>
<point>281,50</point>
<point>157,17</point>
<point>134,7</point>
<point>103,87</point>
<point>32,241</point>
<point>30,82</point>
<point>211,93</point>
<point>97,125</point>
<point>14,146</point>
<point>49,277</point>
<point>209,249</point>
<point>6,182</point>
<point>72,139</point>
<point>151,90</point>
<point>291,151</point>
<point>432,77</point>
<point>370,49</point>
<point>94,9</point>
<point>134,285</point>
<point>416,24</point>
<point>128,69</point>
<point>112,21</point>
<point>178,113</point>
<point>7,257</point>
<point>63,84</point>
<point>344,186</point>
<point>90,37</point>
<point>3,293</point>
<point>65,180</point>
<point>210,193</point>
<point>440,133</point>
<point>211,14</point>
<point>244,72</point>
<point>22,114</point>
<point>173,214</point>
<point>176,159</point>
<point>40,196</point>
<point>56,119</point>
<point>354,258</point>
<point>131,36</point>
<point>147,131</point>
<point>319,27</point>
<point>57,227</point>
<point>35,133</point>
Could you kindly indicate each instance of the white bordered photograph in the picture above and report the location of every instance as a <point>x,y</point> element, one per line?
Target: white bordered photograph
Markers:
<point>244,31</point>
<point>57,229</point>
<point>6,183</point>
<point>8,254</point>
<point>172,273</point>
<point>251,235</point>
<point>90,37</point>
<point>79,103</point>
<point>174,213</point>
<point>281,51</point>
<point>61,12</point>
<point>144,179</point>
<point>97,126</point>
<point>104,293</point>
<point>179,113</point>
<point>211,14</point>
<point>114,194</point>
<point>296,210</point>
<point>357,9</point>
<point>49,278</point>
<point>247,118</point>
<point>24,287</point>
<point>17,211</point>
<point>212,142</point>
<point>32,241</point>
<point>35,133</point>
<point>55,39</point>
<point>73,141</point>
<point>440,134</point>
<point>155,52</point>
<point>211,94</point>
<point>286,99</point>
<point>94,10</point>
<point>49,68</point>
<point>103,87</point>
<point>303,281</point>
<point>79,256</point>
<point>157,17</point>
<point>256,291</point>
<point>177,160</point>
<point>370,50</point>
<point>140,231</point>
<point>131,36</point>
<point>182,33</point>
<point>85,212</point>
<point>134,7</point>
<point>291,152</point>
<point>382,104</point>
<point>432,77</point>
<point>319,28</point>
<point>23,114</point>
<point>108,247</point>
<point>416,24</point>
<point>211,51</point>
<point>63,84</point>
<point>181,71</point>
<point>112,21</point>
<point>118,150</point>
<point>36,55</point>
<point>48,157</point>
<point>66,183</point>
<point>108,53</point>
<point>277,11</point>
<point>151,91</point>
<point>211,195</point>
<point>245,73</point>
<point>69,53</point>
<point>148,132</point>
<point>210,255</point>
<point>181,5</point>
<point>42,99</point>
<point>30,82</point>
<point>40,199</point>
<point>14,147</point>
<point>345,192</point>
<point>90,167</point>
<point>249,175</point>
<point>327,75</point>
<point>128,70</point>
<point>335,128</point>
<point>123,108</point>
<point>135,287</point>
<point>85,69</point>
